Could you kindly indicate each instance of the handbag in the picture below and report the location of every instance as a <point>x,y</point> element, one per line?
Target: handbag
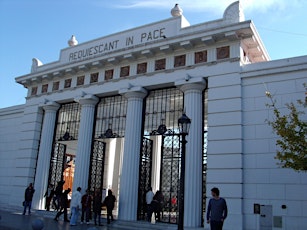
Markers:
<point>23,203</point>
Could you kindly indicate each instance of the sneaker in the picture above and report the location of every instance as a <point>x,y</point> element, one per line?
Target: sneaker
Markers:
<point>81,222</point>
<point>87,223</point>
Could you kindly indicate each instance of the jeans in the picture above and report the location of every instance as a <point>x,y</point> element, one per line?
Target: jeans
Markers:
<point>149,212</point>
<point>216,225</point>
<point>27,204</point>
<point>97,214</point>
<point>86,212</point>
<point>74,215</point>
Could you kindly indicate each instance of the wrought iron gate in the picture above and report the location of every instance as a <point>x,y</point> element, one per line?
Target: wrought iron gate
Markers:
<point>144,176</point>
<point>170,177</point>
<point>97,166</point>
<point>57,164</point>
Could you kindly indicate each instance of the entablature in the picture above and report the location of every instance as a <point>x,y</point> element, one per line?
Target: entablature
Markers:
<point>241,32</point>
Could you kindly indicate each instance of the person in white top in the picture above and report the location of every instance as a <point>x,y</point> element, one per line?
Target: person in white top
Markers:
<point>149,197</point>
<point>75,205</point>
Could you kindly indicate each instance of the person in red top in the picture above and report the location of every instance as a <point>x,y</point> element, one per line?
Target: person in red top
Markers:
<point>86,206</point>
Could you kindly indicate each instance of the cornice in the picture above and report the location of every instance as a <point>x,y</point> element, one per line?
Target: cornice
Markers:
<point>193,36</point>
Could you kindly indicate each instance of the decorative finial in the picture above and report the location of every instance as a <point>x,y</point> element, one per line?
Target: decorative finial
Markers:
<point>72,41</point>
<point>35,64</point>
<point>176,11</point>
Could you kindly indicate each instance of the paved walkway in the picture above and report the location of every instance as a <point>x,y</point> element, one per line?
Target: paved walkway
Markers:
<point>14,220</point>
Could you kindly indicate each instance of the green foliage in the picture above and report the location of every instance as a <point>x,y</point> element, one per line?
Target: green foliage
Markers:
<point>292,132</point>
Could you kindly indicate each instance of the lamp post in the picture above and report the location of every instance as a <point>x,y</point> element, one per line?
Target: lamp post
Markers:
<point>184,123</point>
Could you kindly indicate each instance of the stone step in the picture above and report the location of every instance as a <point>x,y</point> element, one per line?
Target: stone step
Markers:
<point>141,225</point>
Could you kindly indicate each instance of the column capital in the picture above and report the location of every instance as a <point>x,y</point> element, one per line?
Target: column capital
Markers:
<point>191,83</point>
<point>50,106</point>
<point>87,99</point>
<point>133,92</point>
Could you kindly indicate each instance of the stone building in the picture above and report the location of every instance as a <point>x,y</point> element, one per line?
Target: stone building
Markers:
<point>105,116</point>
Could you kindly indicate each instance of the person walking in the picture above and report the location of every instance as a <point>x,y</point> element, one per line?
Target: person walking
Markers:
<point>63,206</point>
<point>217,210</point>
<point>28,199</point>
<point>149,197</point>
<point>109,201</point>
<point>58,194</point>
<point>97,204</point>
<point>75,205</point>
<point>86,206</point>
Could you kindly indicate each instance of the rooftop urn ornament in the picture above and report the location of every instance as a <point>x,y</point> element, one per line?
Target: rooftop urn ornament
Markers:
<point>176,11</point>
<point>72,41</point>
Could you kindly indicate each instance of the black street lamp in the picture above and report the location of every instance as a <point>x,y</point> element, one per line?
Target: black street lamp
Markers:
<point>184,123</point>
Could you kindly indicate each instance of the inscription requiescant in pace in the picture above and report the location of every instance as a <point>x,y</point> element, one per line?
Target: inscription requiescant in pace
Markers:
<point>115,44</point>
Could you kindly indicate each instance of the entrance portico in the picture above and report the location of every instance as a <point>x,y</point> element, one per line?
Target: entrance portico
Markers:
<point>157,71</point>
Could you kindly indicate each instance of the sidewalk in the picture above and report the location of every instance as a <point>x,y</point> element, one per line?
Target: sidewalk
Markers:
<point>14,220</point>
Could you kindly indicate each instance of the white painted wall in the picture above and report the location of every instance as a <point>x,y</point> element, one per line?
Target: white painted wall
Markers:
<point>241,145</point>
<point>264,181</point>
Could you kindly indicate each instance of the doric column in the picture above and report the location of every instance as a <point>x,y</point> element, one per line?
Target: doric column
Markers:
<point>128,196</point>
<point>83,153</point>
<point>193,103</point>
<point>44,154</point>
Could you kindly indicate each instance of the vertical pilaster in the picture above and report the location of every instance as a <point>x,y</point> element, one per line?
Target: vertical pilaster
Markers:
<point>193,104</point>
<point>128,196</point>
<point>44,154</point>
<point>83,153</point>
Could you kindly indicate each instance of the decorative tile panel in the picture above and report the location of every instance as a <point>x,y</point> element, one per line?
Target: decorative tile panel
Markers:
<point>45,88</point>
<point>142,68</point>
<point>94,77</point>
<point>201,56</point>
<point>222,52</point>
<point>124,71</point>
<point>67,83</point>
<point>179,61</point>
<point>80,80</point>
<point>55,86</point>
<point>109,74</point>
<point>160,64</point>
<point>34,91</point>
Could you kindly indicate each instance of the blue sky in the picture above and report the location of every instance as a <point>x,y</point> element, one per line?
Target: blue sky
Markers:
<point>41,28</point>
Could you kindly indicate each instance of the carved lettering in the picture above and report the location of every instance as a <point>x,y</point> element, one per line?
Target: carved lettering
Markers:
<point>81,54</point>
<point>152,35</point>
<point>129,41</point>
<point>103,46</point>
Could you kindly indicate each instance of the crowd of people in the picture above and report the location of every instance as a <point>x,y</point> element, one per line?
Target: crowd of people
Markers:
<point>154,204</point>
<point>60,200</point>
<point>216,211</point>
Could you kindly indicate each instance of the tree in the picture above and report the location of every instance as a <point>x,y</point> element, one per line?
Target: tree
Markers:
<point>292,132</point>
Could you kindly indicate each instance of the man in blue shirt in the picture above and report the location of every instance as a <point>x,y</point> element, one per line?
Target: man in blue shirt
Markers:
<point>217,210</point>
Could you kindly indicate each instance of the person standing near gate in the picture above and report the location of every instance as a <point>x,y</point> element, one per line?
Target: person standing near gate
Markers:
<point>58,194</point>
<point>109,201</point>
<point>217,210</point>
<point>28,198</point>
<point>157,204</point>
<point>97,205</point>
<point>86,206</point>
<point>49,195</point>
<point>149,197</point>
<point>75,205</point>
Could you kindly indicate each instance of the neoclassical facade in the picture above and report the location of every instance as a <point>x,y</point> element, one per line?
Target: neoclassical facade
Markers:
<point>105,116</point>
